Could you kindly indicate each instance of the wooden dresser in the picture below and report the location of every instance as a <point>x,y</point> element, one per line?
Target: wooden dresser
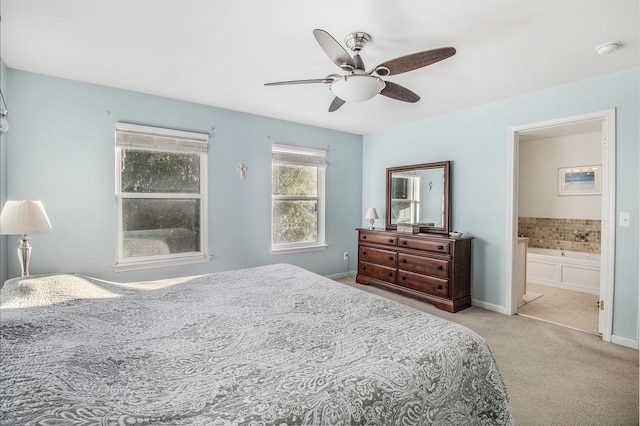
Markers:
<point>435,268</point>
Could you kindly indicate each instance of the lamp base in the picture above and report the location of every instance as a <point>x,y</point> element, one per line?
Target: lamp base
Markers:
<point>371,222</point>
<point>24,254</point>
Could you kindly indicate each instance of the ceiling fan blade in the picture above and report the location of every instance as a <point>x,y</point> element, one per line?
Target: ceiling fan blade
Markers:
<point>414,61</point>
<point>334,50</point>
<point>314,80</point>
<point>337,103</point>
<point>400,93</point>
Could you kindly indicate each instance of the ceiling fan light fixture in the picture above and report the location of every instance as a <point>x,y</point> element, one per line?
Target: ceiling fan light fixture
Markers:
<point>357,88</point>
<point>358,85</point>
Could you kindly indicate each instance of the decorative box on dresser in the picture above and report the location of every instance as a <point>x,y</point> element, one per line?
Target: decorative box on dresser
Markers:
<point>431,267</point>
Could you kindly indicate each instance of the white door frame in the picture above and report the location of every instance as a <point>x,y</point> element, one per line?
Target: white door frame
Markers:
<point>607,250</point>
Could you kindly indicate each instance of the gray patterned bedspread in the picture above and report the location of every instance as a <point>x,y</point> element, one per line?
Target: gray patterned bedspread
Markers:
<point>272,345</point>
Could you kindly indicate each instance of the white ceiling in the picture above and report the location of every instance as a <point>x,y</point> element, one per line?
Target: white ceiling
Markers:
<point>221,53</point>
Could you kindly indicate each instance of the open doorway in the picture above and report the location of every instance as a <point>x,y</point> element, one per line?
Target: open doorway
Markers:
<point>593,272</point>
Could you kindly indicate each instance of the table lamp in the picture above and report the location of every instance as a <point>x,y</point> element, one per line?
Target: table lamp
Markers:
<point>372,215</point>
<point>22,218</point>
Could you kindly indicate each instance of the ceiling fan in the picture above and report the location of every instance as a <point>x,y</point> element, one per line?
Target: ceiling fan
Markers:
<point>359,85</point>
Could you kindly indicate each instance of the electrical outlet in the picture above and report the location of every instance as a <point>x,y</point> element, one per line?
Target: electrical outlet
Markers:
<point>345,256</point>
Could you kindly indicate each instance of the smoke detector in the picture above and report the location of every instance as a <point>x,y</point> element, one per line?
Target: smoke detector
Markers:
<point>608,47</point>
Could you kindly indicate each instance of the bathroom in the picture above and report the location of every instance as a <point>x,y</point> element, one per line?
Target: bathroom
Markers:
<point>560,222</point>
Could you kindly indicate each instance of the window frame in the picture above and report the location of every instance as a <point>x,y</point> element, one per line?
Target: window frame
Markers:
<point>412,196</point>
<point>314,157</point>
<point>156,139</point>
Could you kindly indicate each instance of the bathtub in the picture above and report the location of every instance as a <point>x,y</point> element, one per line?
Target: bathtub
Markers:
<point>565,269</point>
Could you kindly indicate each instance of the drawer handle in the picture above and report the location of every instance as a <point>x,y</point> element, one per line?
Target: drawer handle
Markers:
<point>364,237</point>
<point>364,253</point>
<point>390,257</point>
<point>363,268</point>
<point>404,260</point>
<point>440,247</point>
<point>390,274</point>
<point>390,240</point>
<point>439,267</point>
<point>439,287</point>
<point>404,278</point>
<point>404,243</point>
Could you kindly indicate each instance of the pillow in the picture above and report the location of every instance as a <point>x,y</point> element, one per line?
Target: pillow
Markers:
<point>42,290</point>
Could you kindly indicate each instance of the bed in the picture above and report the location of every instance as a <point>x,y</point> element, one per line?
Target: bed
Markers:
<point>268,345</point>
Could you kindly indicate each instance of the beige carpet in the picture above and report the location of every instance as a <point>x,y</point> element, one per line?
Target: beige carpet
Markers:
<point>554,375</point>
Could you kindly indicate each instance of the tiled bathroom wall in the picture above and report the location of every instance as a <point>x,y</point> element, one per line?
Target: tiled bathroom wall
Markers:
<point>581,235</point>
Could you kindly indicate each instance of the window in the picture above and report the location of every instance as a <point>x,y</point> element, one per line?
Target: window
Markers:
<point>161,177</point>
<point>297,206</point>
<point>405,197</point>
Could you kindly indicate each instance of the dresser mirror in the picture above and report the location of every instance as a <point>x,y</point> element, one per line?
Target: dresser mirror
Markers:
<point>419,194</point>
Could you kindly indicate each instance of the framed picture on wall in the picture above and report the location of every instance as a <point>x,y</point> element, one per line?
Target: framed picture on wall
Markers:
<point>583,180</point>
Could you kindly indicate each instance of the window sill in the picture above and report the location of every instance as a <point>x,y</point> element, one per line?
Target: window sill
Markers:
<point>288,250</point>
<point>161,263</point>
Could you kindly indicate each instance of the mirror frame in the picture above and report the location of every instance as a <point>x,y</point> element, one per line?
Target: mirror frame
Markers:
<point>446,165</point>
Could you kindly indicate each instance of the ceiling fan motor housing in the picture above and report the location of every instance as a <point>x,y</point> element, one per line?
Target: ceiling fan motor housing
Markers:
<point>356,41</point>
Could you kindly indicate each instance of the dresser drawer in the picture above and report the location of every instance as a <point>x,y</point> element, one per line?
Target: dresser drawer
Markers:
<point>378,238</point>
<point>422,283</point>
<point>422,244</point>
<point>378,272</point>
<point>381,257</point>
<point>424,265</point>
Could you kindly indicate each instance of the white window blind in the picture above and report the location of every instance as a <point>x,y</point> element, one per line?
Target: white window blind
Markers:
<point>287,155</point>
<point>133,136</point>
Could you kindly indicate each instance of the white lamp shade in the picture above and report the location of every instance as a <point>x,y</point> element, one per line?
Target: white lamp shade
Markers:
<point>371,213</point>
<point>357,88</point>
<point>23,217</point>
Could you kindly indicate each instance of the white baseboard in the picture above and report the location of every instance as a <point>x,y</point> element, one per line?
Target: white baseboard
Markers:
<point>490,307</point>
<point>624,341</point>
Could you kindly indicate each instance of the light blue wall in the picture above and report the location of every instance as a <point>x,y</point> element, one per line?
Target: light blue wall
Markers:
<point>476,141</point>
<point>61,151</point>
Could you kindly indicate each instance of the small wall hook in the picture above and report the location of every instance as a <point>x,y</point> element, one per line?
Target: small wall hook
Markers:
<point>242,169</point>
